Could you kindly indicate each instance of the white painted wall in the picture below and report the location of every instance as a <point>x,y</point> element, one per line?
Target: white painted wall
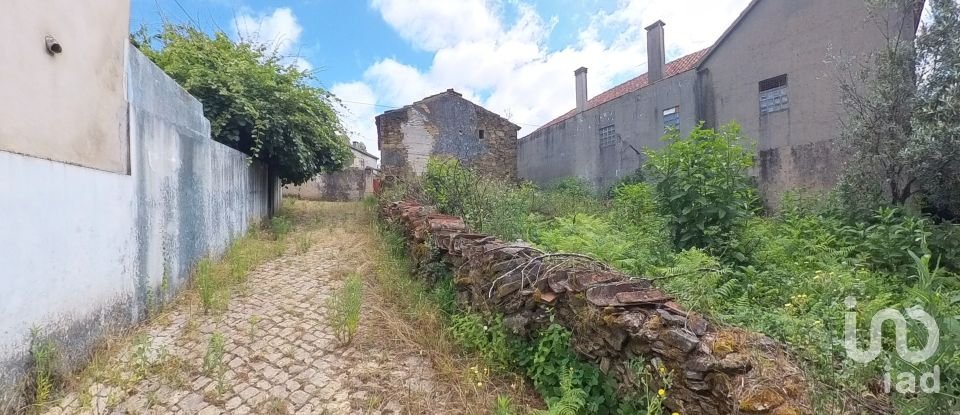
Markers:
<point>82,248</point>
<point>70,106</point>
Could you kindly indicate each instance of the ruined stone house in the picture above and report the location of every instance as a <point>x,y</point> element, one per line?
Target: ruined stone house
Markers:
<point>771,71</point>
<point>350,184</point>
<point>446,124</point>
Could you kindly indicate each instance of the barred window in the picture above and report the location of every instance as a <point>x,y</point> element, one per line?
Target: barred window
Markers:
<point>608,136</point>
<point>671,118</point>
<point>773,95</point>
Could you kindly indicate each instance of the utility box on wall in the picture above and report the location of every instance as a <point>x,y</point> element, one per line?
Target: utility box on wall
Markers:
<point>62,94</point>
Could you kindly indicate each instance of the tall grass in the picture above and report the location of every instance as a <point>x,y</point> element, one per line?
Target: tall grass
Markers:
<point>345,307</point>
<point>215,279</point>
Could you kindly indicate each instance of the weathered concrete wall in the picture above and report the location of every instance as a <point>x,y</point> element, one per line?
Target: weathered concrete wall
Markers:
<point>351,184</point>
<point>85,251</point>
<point>572,148</point>
<point>69,106</point>
<point>446,124</point>
<point>798,39</point>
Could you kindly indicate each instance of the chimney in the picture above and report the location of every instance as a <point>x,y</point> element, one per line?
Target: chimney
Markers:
<point>581,76</point>
<point>656,57</point>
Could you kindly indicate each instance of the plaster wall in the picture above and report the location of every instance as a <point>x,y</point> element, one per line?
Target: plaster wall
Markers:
<point>86,251</point>
<point>70,106</point>
<point>572,148</point>
<point>804,40</point>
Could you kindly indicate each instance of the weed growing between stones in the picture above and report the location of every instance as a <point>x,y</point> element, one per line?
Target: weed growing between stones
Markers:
<point>213,365</point>
<point>207,287</point>
<point>215,279</point>
<point>280,226</point>
<point>303,244</point>
<point>43,376</point>
<point>344,309</point>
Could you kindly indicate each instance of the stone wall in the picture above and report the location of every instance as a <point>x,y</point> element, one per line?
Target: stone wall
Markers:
<point>86,252</point>
<point>614,318</point>
<point>446,124</point>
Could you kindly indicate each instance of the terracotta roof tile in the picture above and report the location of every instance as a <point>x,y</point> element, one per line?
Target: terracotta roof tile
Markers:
<point>673,68</point>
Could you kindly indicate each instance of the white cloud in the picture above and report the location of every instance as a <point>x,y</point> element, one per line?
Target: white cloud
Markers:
<point>358,113</point>
<point>278,30</point>
<point>480,54</point>
<point>432,24</point>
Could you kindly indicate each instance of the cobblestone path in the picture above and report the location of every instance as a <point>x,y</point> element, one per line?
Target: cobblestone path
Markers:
<point>279,355</point>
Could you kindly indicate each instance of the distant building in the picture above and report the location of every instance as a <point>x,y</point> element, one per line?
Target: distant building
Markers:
<point>446,124</point>
<point>771,71</point>
<point>350,184</point>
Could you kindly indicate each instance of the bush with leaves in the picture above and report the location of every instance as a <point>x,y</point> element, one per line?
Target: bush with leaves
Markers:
<point>487,204</point>
<point>255,102</point>
<point>901,133</point>
<point>702,185</point>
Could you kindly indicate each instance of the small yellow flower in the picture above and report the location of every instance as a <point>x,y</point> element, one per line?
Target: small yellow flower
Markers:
<point>663,370</point>
<point>675,413</point>
<point>479,384</point>
<point>662,393</point>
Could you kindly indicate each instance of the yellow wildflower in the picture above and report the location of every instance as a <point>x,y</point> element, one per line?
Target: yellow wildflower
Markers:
<point>662,393</point>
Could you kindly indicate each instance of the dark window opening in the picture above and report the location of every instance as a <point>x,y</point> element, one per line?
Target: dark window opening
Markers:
<point>775,82</point>
<point>481,134</point>
<point>773,95</point>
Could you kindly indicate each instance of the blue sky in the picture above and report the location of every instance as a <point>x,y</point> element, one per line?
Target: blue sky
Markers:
<point>515,57</point>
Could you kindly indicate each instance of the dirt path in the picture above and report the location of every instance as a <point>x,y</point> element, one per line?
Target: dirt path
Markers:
<point>279,354</point>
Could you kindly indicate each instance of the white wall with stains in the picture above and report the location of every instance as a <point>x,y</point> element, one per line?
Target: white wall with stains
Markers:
<point>85,250</point>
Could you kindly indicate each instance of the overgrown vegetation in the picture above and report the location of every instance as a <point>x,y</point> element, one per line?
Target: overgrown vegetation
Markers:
<point>455,342</point>
<point>215,280</point>
<point>787,275</point>
<point>345,307</point>
<point>257,102</point>
<point>44,373</point>
<point>902,129</point>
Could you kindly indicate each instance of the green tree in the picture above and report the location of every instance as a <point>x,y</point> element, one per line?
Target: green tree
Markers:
<point>702,185</point>
<point>901,132</point>
<point>937,115</point>
<point>255,102</point>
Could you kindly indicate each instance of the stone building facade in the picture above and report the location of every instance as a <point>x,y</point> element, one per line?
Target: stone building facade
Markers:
<point>350,184</point>
<point>446,124</point>
<point>772,71</point>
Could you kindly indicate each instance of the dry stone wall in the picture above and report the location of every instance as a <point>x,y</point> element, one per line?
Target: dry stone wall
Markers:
<point>614,318</point>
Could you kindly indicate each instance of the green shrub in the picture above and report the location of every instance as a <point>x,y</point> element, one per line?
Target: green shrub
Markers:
<point>487,204</point>
<point>485,337</point>
<point>568,197</point>
<point>702,185</point>
<point>280,226</point>
<point>345,307</point>
<point>549,359</point>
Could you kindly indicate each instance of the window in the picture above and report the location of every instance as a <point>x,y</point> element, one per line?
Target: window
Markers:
<point>481,134</point>
<point>608,136</point>
<point>773,95</point>
<point>671,118</point>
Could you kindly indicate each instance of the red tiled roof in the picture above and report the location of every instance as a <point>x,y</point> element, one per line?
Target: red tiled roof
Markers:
<point>675,67</point>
